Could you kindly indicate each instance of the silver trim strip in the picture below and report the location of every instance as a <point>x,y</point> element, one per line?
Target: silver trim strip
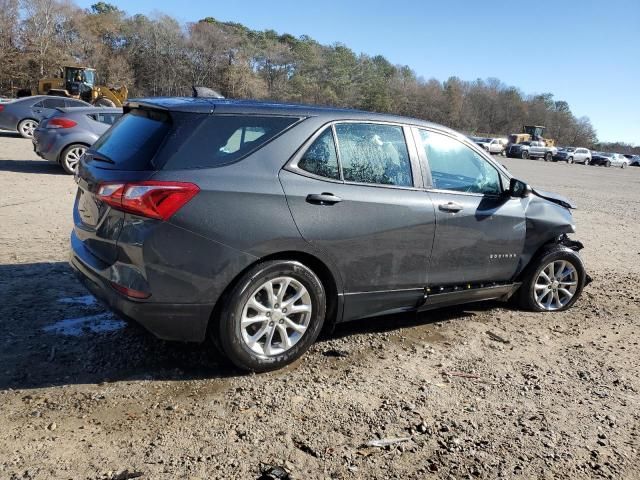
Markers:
<point>387,291</point>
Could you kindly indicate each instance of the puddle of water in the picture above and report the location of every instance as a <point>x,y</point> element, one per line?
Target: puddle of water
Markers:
<point>86,300</point>
<point>76,327</point>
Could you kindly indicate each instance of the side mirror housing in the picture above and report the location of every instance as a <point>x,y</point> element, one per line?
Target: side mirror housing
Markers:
<point>519,189</point>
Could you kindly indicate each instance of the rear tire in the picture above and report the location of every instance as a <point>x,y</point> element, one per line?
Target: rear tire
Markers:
<point>26,127</point>
<point>524,155</point>
<point>587,161</point>
<point>70,157</point>
<point>541,292</point>
<point>624,165</point>
<point>254,311</point>
<point>570,160</point>
<point>607,164</point>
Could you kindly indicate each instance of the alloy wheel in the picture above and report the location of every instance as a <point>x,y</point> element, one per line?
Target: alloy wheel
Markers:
<point>73,157</point>
<point>276,316</point>
<point>27,127</point>
<point>556,285</point>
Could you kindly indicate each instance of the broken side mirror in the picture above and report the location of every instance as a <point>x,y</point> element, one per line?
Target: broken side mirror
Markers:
<point>518,188</point>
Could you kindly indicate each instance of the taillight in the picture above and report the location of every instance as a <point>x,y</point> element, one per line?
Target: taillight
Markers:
<point>150,199</point>
<point>1,107</point>
<point>60,123</point>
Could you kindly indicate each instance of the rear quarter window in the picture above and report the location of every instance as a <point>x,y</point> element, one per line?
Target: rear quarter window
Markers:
<point>217,140</point>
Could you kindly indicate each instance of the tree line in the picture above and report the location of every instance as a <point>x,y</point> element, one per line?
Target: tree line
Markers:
<point>159,56</point>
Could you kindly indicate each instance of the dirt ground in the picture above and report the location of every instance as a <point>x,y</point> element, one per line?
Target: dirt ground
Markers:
<point>83,395</point>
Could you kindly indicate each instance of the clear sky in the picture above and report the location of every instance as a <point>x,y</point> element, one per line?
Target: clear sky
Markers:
<point>586,52</point>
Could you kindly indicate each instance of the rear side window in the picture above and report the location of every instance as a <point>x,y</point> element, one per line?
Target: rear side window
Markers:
<point>216,140</point>
<point>374,153</point>
<point>53,103</point>
<point>133,141</point>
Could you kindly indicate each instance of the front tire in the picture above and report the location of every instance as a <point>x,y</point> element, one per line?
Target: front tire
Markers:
<point>26,127</point>
<point>607,164</point>
<point>587,161</point>
<point>524,155</point>
<point>272,316</point>
<point>548,157</point>
<point>570,160</point>
<point>553,282</point>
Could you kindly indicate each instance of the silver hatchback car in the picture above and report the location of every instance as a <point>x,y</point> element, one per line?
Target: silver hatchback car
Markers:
<point>65,136</point>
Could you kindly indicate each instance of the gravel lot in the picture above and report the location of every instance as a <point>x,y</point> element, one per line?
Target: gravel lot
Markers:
<point>83,395</point>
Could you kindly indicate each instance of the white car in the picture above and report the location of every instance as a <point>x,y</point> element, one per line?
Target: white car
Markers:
<point>491,145</point>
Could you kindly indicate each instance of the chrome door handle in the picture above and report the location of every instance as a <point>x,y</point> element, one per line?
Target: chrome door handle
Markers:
<point>450,207</point>
<point>324,198</point>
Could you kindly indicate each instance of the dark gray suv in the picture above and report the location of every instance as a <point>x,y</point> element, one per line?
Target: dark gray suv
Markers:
<point>255,224</point>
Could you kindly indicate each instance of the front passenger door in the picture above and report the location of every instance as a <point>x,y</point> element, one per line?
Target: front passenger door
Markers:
<point>480,231</point>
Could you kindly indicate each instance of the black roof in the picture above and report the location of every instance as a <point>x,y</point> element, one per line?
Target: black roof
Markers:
<point>208,105</point>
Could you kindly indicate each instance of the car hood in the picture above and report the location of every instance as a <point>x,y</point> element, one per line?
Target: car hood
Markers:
<point>554,198</point>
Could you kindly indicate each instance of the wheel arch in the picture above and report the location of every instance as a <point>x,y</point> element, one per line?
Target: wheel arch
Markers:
<point>330,282</point>
<point>561,240</point>
<point>24,120</point>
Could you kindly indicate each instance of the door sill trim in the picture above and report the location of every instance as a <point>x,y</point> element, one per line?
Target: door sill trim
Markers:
<point>456,297</point>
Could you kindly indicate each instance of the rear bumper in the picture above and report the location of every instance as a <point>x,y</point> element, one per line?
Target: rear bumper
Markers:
<point>45,148</point>
<point>168,321</point>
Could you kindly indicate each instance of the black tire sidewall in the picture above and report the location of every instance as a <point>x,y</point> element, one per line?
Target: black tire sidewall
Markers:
<point>558,252</point>
<point>229,329</point>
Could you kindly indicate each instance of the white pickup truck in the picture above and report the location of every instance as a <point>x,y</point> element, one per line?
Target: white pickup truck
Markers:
<point>533,149</point>
<point>491,145</point>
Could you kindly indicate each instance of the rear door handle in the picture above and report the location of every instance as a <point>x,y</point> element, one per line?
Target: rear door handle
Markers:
<point>450,207</point>
<point>324,198</point>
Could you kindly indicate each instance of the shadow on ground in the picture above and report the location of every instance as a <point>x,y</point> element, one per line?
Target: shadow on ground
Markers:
<point>9,134</point>
<point>31,166</point>
<point>54,333</point>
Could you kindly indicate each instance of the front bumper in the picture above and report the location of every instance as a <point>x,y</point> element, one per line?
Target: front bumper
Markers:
<point>168,321</point>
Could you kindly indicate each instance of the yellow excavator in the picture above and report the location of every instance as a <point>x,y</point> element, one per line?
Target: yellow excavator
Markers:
<point>80,82</point>
<point>531,133</point>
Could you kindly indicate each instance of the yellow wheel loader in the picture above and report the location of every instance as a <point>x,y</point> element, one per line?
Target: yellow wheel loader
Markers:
<point>531,133</point>
<point>79,82</point>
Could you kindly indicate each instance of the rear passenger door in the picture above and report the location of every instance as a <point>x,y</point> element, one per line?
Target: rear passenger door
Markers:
<point>47,106</point>
<point>480,231</point>
<point>355,194</point>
